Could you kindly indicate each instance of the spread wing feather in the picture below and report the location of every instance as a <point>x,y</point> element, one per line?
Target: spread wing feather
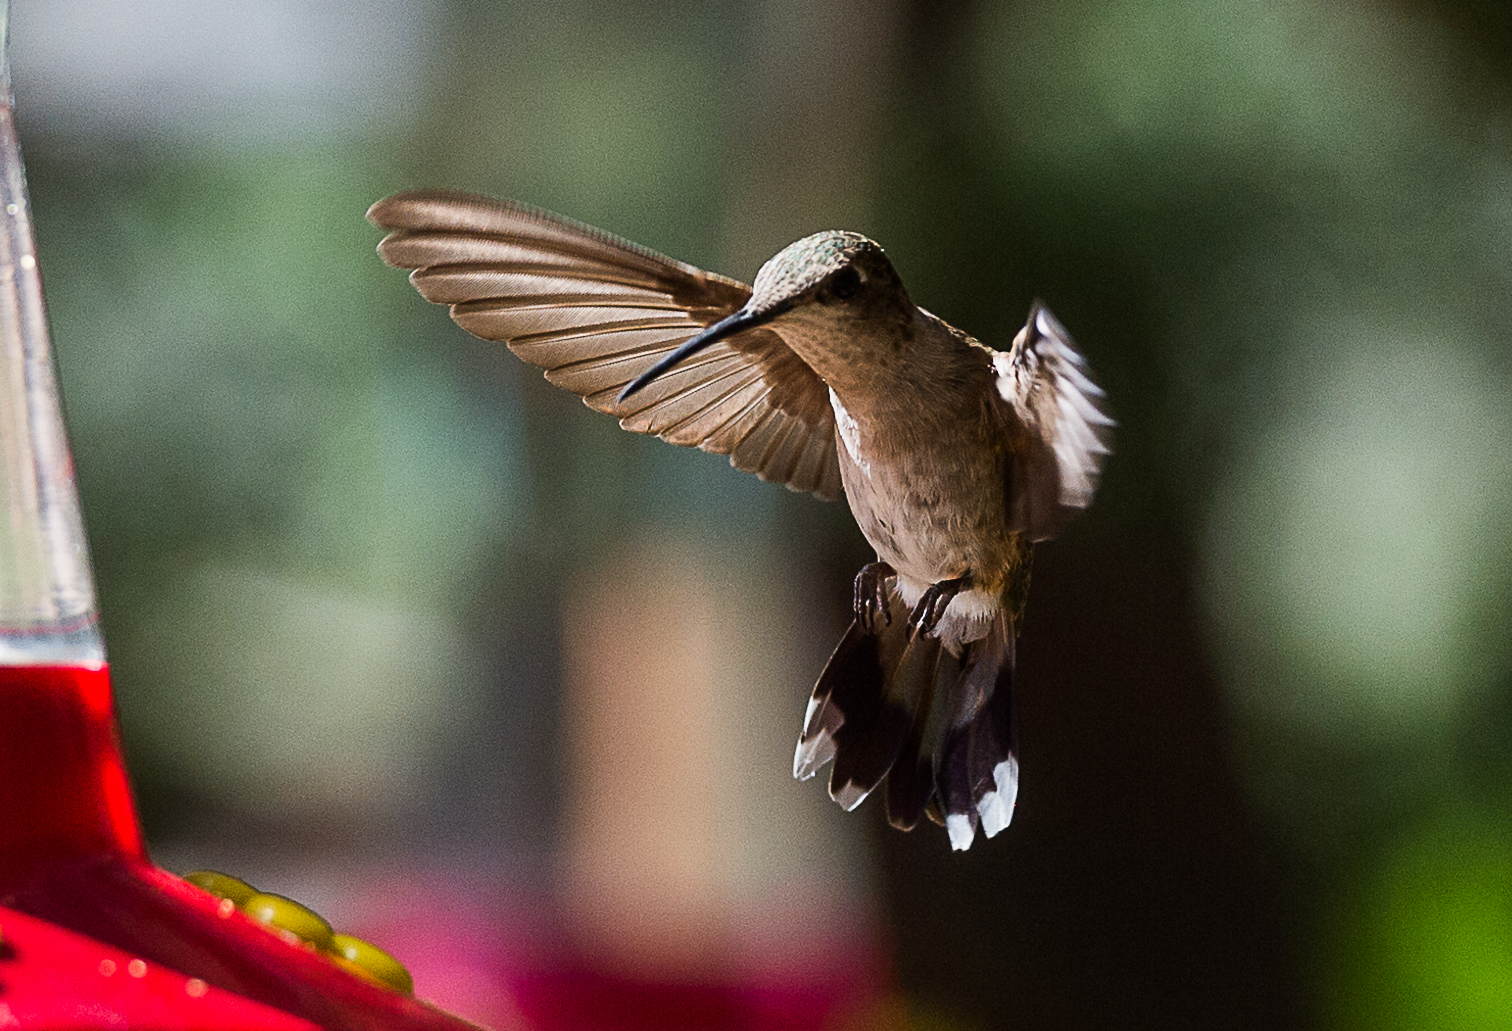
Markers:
<point>1043,378</point>
<point>595,311</point>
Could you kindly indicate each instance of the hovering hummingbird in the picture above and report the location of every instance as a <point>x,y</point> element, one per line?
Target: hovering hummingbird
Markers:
<point>823,376</point>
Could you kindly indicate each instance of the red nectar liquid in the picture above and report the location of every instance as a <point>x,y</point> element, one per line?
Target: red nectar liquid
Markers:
<point>63,788</point>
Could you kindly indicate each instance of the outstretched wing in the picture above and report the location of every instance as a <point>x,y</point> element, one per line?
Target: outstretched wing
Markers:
<point>1045,380</point>
<point>595,311</point>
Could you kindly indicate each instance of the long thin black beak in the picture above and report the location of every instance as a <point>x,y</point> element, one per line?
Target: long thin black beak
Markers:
<point>725,327</point>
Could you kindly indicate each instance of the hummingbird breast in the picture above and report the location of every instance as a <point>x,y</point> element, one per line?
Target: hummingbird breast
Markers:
<point>930,499</point>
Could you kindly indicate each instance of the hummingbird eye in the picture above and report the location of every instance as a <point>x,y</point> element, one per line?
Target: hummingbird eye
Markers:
<point>845,284</point>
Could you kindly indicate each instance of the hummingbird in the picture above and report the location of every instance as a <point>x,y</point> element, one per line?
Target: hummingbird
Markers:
<point>956,458</point>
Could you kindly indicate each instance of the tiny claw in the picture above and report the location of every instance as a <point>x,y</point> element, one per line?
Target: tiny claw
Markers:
<point>870,598</point>
<point>932,604</point>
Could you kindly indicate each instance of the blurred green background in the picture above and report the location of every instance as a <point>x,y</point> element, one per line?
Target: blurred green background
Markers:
<point>1265,713</point>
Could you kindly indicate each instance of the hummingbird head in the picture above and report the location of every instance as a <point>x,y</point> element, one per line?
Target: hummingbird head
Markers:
<point>833,268</point>
<point>834,278</point>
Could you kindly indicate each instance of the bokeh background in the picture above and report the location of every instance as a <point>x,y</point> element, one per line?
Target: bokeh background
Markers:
<point>399,629</point>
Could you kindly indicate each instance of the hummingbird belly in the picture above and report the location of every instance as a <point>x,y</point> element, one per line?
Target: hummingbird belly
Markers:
<point>935,512</point>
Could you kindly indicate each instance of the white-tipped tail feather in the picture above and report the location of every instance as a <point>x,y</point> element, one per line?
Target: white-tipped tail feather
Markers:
<point>935,724</point>
<point>996,807</point>
<point>812,754</point>
<point>961,832</point>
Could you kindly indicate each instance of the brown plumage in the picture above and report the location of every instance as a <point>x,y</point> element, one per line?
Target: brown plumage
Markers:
<point>824,377</point>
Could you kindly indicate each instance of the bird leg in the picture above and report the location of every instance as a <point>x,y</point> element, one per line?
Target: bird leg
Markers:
<point>933,603</point>
<point>871,595</point>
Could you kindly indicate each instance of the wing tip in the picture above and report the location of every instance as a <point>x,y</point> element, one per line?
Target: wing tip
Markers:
<point>397,210</point>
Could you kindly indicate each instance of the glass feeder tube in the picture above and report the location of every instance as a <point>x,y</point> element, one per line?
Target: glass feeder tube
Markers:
<point>91,932</point>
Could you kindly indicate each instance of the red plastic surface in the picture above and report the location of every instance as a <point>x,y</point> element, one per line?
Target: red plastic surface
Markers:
<point>52,978</point>
<point>72,860</point>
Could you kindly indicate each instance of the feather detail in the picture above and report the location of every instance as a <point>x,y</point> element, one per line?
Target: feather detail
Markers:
<point>1043,379</point>
<point>596,311</point>
<point>936,726</point>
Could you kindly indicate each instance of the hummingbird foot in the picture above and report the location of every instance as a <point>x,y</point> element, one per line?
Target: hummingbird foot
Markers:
<point>932,605</point>
<point>871,595</point>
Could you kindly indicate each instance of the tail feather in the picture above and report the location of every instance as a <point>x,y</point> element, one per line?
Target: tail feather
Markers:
<point>855,671</point>
<point>851,717</point>
<point>937,726</point>
<point>952,780</point>
<point>992,749</point>
<point>911,784</point>
<point>867,748</point>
